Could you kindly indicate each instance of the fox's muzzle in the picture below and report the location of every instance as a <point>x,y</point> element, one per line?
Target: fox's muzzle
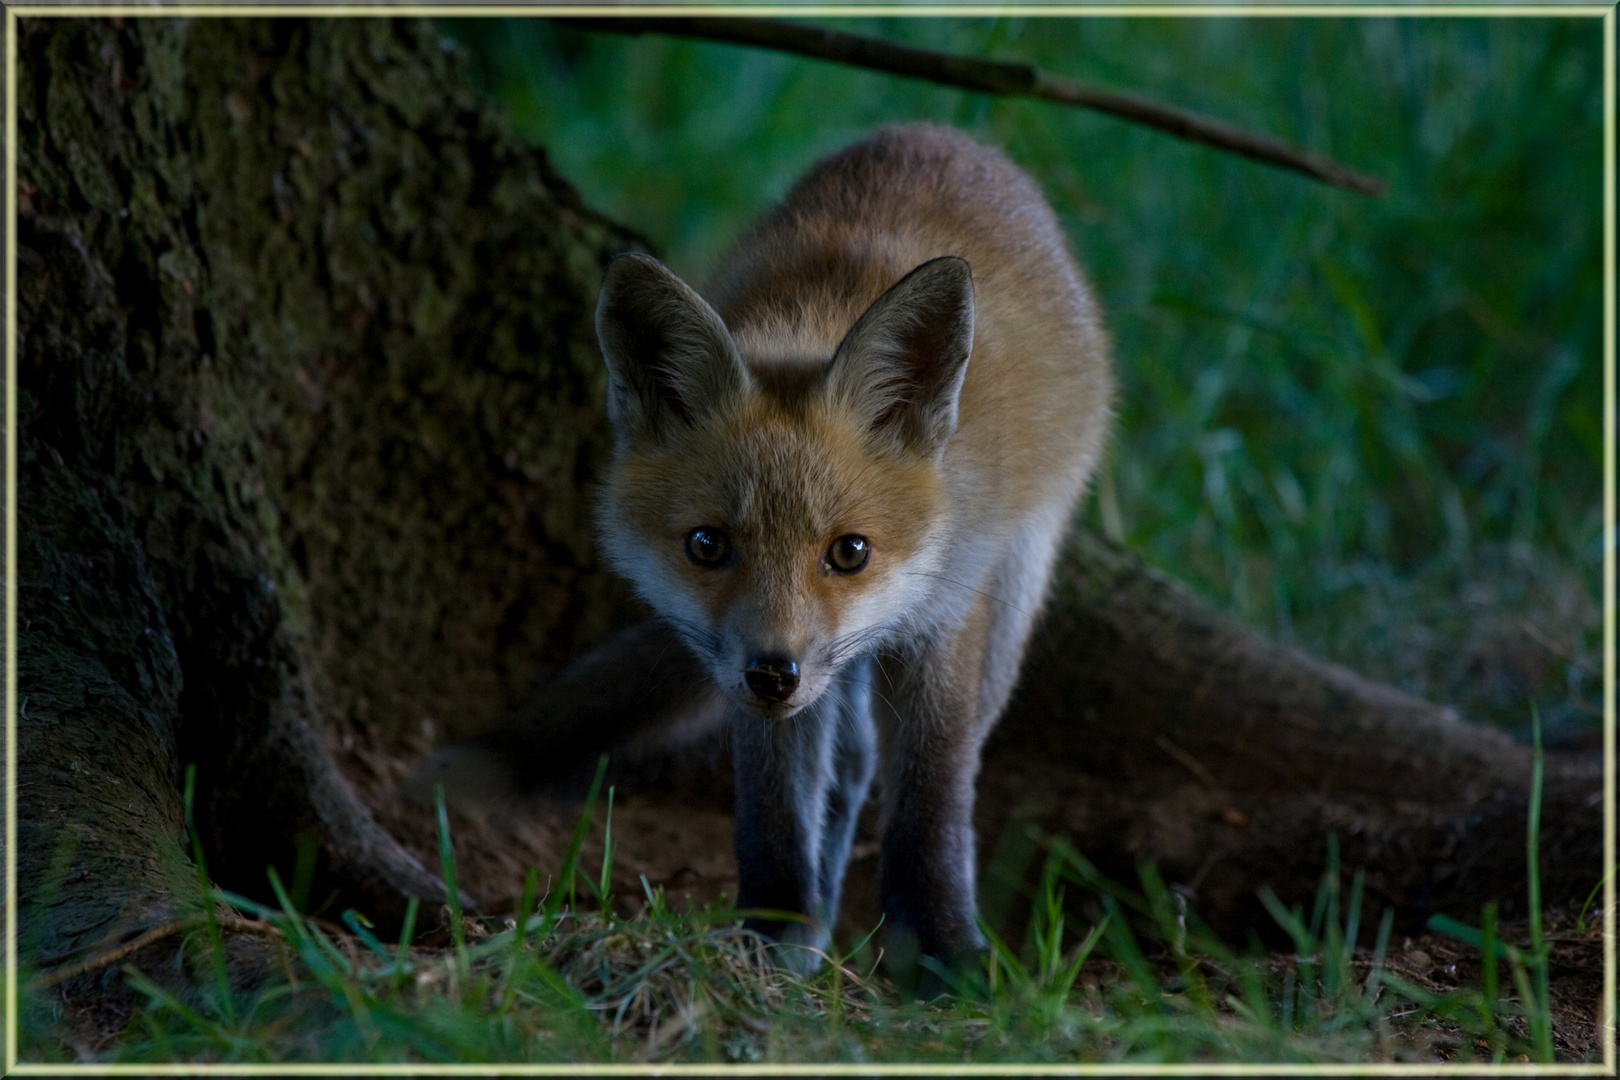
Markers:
<point>772,678</point>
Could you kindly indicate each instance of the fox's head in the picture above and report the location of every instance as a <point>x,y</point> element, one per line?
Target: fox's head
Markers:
<point>784,516</point>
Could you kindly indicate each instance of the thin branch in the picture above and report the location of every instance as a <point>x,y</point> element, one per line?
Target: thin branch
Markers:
<point>990,77</point>
<point>229,921</point>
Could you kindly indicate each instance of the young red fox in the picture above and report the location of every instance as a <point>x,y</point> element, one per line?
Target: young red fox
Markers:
<point>843,481</point>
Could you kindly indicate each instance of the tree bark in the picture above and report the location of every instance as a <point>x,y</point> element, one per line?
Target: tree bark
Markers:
<point>309,404</point>
<point>308,393</point>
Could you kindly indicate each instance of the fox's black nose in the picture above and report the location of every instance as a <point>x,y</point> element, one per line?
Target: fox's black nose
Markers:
<point>772,678</point>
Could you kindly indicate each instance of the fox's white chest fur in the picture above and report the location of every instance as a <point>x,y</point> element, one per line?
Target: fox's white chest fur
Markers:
<point>850,470</point>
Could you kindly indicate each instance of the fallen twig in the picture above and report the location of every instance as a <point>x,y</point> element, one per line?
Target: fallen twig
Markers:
<point>991,77</point>
<point>1535,634</point>
<point>157,933</point>
<point>1187,761</point>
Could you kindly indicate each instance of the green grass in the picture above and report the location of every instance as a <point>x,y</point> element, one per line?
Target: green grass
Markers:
<point>1136,978</point>
<point>1369,426</point>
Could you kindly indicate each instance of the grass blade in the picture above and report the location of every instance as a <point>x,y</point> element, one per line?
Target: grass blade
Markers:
<point>1488,947</point>
<point>1445,924</point>
<point>407,930</point>
<point>360,927</point>
<point>216,944</point>
<point>1541,1005</point>
<point>447,863</point>
<point>1380,945</point>
<point>570,867</point>
<point>607,853</point>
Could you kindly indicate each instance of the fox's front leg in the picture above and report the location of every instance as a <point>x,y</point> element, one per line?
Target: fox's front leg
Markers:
<point>927,707</point>
<point>784,768</point>
<point>854,760</point>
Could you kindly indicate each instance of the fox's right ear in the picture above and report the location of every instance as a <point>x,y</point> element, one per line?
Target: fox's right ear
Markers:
<point>669,356</point>
<point>902,364</point>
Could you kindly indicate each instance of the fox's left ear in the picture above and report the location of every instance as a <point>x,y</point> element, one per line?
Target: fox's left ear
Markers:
<point>669,356</point>
<point>901,366</point>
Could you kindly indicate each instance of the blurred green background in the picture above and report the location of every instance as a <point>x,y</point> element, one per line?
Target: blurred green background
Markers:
<point>1372,427</point>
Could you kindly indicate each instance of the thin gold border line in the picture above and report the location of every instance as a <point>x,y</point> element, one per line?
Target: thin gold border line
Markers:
<point>1611,533</point>
<point>824,12</point>
<point>783,1069</point>
<point>12,1005</point>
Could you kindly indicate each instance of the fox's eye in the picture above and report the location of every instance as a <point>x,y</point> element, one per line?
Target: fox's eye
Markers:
<point>708,547</point>
<point>849,554</point>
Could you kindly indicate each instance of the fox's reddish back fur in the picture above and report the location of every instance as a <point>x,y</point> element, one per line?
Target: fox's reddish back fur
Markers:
<point>1034,405</point>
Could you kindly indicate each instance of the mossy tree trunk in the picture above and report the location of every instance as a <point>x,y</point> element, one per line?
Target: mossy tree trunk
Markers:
<point>308,408</point>
<point>308,394</point>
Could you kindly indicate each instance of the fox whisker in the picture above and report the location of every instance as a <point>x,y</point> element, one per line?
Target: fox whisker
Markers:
<point>843,649</point>
<point>698,635</point>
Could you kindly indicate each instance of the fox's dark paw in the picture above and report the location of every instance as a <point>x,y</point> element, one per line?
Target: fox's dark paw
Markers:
<point>795,945</point>
<point>958,972</point>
